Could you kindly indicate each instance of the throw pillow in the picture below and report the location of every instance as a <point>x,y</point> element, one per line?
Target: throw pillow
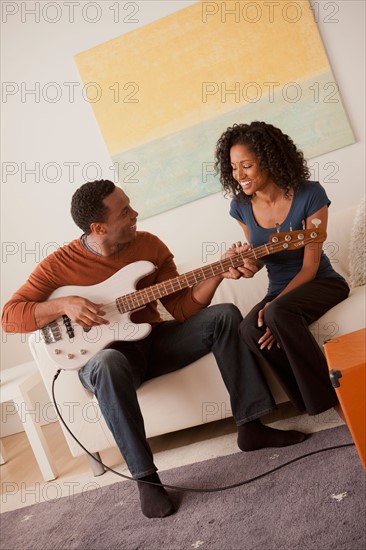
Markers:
<point>357,254</point>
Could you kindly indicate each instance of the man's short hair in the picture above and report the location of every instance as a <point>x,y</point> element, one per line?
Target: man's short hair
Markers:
<point>87,203</point>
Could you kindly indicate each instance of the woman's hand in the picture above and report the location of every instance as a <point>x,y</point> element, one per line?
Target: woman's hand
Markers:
<point>249,268</point>
<point>267,340</point>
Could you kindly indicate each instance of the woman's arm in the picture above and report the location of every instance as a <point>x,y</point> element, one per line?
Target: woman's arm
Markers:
<point>204,291</point>
<point>312,253</point>
<point>310,266</point>
<point>245,229</point>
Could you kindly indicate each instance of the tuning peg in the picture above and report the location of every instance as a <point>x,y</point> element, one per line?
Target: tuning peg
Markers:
<point>316,222</point>
<point>303,225</point>
<point>278,227</point>
<point>290,226</point>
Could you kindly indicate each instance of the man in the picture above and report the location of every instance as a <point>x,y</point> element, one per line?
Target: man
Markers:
<point>109,242</point>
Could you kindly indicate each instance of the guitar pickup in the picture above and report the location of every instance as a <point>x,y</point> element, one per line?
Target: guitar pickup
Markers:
<point>68,326</point>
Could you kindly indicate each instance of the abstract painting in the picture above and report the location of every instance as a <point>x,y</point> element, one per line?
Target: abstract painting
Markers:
<point>164,93</point>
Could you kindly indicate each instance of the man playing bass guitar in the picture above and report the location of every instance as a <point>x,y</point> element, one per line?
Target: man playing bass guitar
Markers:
<point>110,242</point>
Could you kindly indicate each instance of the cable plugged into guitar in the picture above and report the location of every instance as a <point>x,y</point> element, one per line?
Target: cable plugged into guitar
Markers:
<point>177,487</point>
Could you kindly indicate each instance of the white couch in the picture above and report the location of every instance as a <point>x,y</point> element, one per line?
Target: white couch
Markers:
<point>196,394</point>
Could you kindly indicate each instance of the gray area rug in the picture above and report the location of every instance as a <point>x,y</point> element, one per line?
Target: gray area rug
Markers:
<point>316,503</point>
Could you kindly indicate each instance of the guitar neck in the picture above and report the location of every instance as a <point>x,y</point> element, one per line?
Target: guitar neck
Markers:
<point>140,298</point>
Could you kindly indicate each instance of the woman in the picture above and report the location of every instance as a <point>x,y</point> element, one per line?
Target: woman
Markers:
<point>269,180</point>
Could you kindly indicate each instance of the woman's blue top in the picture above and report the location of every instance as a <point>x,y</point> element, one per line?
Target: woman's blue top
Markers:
<point>283,266</point>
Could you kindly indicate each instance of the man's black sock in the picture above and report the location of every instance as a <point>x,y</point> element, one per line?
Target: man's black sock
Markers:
<point>155,501</point>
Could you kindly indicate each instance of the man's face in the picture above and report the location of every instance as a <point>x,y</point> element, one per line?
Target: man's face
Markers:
<point>120,225</point>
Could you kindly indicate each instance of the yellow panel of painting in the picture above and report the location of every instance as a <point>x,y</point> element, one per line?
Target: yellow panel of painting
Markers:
<point>199,62</point>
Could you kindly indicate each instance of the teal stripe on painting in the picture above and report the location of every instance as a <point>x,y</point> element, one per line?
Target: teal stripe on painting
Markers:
<point>178,168</point>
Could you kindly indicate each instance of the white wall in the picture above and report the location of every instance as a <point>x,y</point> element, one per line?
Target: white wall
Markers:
<point>35,216</point>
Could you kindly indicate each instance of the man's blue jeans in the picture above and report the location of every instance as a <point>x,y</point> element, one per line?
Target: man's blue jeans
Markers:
<point>114,375</point>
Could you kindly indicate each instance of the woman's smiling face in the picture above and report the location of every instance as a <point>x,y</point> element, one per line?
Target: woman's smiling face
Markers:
<point>247,171</point>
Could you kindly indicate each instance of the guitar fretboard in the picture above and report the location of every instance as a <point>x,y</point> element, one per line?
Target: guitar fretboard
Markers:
<point>292,240</point>
<point>139,298</point>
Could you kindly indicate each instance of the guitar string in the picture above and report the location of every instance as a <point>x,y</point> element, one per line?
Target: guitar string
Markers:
<point>144,292</point>
<point>125,300</point>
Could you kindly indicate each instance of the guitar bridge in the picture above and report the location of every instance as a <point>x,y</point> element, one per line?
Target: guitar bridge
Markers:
<point>51,333</point>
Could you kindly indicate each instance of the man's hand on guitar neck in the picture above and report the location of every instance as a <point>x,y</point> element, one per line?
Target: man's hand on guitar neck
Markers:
<point>203,292</point>
<point>249,268</point>
<point>80,310</point>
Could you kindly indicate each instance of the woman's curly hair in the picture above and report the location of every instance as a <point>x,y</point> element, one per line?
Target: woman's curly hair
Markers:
<point>276,153</point>
<point>87,203</point>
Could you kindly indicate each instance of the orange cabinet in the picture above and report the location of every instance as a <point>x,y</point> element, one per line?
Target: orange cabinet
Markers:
<point>347,369</point>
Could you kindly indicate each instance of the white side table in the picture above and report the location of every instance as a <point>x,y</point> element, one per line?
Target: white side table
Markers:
<point>16,385</point>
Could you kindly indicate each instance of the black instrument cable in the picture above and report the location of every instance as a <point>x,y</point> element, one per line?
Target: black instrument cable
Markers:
<point>187,489</point>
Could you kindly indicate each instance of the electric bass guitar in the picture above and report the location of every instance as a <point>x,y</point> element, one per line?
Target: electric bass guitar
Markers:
<point>70,346</point>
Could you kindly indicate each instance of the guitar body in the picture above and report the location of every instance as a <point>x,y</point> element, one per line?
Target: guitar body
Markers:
<point>71,347</point>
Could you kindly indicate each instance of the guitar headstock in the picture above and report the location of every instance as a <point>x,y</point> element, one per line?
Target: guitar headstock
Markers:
<point>292,240</point>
